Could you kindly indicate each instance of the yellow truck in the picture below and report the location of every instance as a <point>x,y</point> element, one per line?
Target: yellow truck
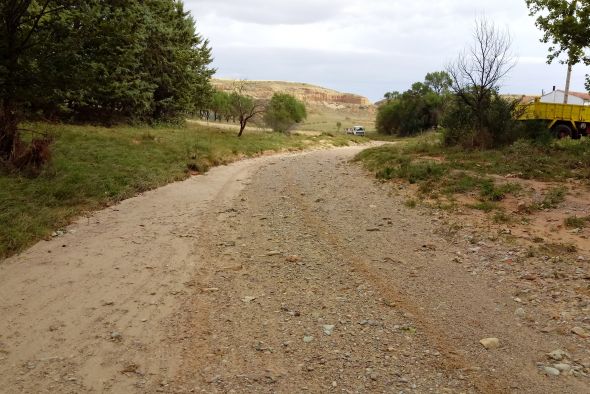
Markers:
<point>564,120</point>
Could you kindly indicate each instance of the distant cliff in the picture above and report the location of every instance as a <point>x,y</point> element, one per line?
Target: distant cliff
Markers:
<point>309,94</point>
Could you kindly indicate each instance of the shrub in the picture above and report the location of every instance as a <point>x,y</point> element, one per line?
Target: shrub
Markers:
<point>495,127</point>
<point>412,172</point>
<point>283,111</point>
<point>576,222</point>
<point>415,110</point>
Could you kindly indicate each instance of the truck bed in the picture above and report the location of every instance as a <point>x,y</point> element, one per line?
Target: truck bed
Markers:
<point>553,112</point>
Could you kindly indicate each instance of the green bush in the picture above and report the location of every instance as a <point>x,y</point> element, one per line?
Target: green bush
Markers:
<point>283,111</point>
<point>495,125</point>
<point>415,110</point>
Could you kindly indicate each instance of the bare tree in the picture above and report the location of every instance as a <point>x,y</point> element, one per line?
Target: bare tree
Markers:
<point>244,107</point>
<point>477,72</point>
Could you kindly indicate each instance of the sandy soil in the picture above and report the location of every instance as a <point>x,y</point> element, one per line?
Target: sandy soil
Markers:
<point>293,273</point>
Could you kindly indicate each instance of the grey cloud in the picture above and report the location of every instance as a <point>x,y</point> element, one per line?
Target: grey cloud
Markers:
<point>268,12</point>
<point>383,44</point>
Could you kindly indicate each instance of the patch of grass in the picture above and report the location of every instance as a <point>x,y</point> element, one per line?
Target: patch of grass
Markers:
<point>551,200</point>
<point>501,217</point>
<point>554,162</point>
<point>555,249</point>
<point>576,222</point>
<point>492,192</point>
<point>446,206</point>
<point>420,171</point>
<point>391,163</point>
<point>554,197</point>
<point>460,182</point>
<point>94,167</point>
<point>411,203</point>
<point>486,206</point>
<point>412,172</point>
<point>450,171</point>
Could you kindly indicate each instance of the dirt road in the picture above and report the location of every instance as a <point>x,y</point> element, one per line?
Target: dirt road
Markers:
<point>286,274</point>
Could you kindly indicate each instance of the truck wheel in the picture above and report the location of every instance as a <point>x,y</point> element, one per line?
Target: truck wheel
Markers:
<point>562,131</point>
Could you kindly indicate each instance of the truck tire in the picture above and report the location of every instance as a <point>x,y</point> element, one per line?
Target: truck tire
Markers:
<point>562,131</point>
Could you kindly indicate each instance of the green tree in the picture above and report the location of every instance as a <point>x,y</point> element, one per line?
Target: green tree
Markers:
<point>98,60</point>
<point>391,95</point>
<point>500,128</point>
<point>415,110</point>
<point>284,111</point>
<point>243,107</point>
<point>111,83</point>
<point>25,43</point>
<point>220,105</point>
<point>439,82</point>
<point>176,59</point>
<point>140,60</point>
<point>565,25</point>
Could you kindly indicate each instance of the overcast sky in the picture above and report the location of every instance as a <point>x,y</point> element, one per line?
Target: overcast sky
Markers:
<point>366,47</point>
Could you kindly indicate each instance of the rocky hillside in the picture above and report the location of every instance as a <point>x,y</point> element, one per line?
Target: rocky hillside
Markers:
<point>310,94</point>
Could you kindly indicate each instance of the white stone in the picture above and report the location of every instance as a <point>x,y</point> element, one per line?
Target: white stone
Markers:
<point>490,343</point>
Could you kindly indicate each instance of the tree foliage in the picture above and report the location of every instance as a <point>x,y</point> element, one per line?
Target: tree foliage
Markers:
<point>284,111</point>
<point>565,25</point>
<point>439,82</point>
<point>28,32</point>
<point>419,108</point>
<point>500,127</point>
<point>219,104</point>
<point>100,61</point>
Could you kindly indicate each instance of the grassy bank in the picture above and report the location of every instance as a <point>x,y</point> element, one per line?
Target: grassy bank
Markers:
<point>94,167</point>
<point>557,161</point>
<point>441,172</point>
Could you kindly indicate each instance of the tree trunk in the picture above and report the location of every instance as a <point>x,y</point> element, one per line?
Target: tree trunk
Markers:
<point>9,136</point>
<point>567,83</point>
<point>242,127</point>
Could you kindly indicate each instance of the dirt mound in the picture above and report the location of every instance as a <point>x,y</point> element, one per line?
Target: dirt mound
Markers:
<point>310,94</point>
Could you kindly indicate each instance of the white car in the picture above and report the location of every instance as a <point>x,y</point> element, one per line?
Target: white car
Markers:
<point>358,130</point>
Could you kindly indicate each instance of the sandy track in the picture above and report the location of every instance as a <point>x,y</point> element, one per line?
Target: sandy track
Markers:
<point>282,274</point>
<point>80,309</point>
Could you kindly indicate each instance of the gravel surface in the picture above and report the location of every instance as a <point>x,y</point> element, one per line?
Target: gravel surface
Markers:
<point>293,273</point>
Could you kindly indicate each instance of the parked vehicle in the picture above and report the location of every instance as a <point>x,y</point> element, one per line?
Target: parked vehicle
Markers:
<point>357,130</point>
<point>564,120</point>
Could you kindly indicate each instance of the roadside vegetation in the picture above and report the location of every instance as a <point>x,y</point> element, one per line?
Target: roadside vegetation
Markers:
<point>94,167</point>
<point>95,62</point>
<point>480,153</point>
<point>419,108</point>
<point>280,113</point>
<point>442,173</point>
<point>283,112</point>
